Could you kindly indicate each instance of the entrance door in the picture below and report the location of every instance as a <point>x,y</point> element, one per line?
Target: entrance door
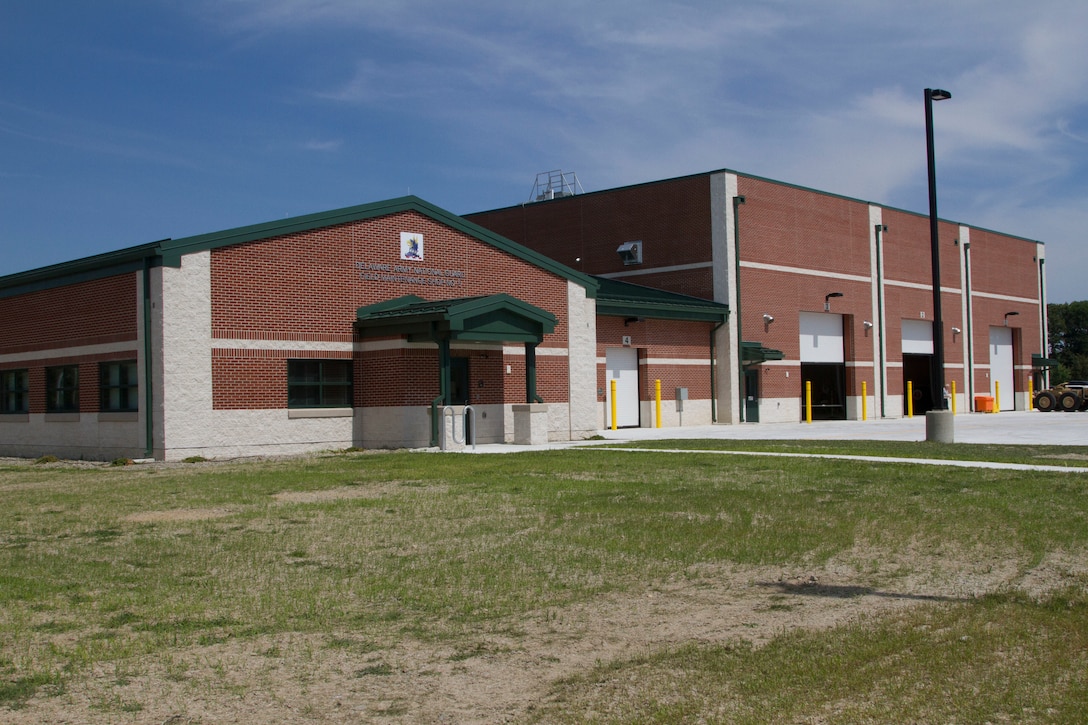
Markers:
<point>751,395</point>
<point>459,381</point>
<point>1001,370</point>
<point>621,365</point>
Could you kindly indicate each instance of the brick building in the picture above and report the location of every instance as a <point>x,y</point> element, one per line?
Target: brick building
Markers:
<point>372,326</point>
<point>829,294</point>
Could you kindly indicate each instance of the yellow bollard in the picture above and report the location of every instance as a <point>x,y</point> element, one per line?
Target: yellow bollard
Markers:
<point>953,397</point>
<point>864,400</point>
<point>997,396</point>
<point>1031,393</point>
<point>910,399</point>
<point>657,393</point>
<point>613,404</point>
<point>808,401</point>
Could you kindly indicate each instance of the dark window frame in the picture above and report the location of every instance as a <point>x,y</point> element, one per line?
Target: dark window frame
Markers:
<point>120,393</point>
<point>62,389</point>
<point>14,391</point>
<point>320,383</point>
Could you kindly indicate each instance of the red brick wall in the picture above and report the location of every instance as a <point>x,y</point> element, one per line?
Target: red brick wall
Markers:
<point>86,313</point>
<point>672,218</point>
<point>657,339</point>
<point>792,227</point>
<point>97,312</point>
<point>308,286</point>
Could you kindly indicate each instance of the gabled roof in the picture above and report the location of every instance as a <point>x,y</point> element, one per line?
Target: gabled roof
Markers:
<point>623,299</point>
<point>492,318</point>
<point>169,252</point>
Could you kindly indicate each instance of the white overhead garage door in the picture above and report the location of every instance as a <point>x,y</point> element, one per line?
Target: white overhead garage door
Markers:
<point>621,365</point>
<point>1001,370</point>
<point>821,338</point>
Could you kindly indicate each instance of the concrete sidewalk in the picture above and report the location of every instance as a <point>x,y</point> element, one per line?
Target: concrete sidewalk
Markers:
<point>1019,427</point>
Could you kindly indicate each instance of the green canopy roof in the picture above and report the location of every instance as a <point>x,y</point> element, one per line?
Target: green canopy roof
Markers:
<point>493,318</point>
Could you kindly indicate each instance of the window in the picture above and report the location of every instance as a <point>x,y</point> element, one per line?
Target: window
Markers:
<point>118,386</point>
<point>14,391</point>
<point>62,389</point>
<point>319,384</point>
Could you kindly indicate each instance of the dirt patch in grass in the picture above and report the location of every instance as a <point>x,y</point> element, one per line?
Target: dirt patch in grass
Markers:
<point>499,671</point>
<point>155,517</point>
<point>333,494</point>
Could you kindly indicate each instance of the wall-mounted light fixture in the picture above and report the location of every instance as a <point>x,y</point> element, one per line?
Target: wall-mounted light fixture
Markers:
<point>867,325</point>
<point>827,300</point>
<point>1014,313</point>
<point>955,331</point>
<point>767,320</point>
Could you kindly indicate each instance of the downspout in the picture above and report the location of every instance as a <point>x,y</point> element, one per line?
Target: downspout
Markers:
<point>443,380</point>
<point>1044,322</point>
<point>713,387</point>
<point>149,393</point>
<point>737,201</point>
<point>880,316</point>
<point>969,374</point>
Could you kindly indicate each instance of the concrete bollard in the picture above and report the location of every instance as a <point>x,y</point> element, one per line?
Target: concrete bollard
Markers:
<point>940,426</point>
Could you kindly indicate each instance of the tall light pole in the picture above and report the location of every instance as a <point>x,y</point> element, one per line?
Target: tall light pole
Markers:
<point>937,370</point>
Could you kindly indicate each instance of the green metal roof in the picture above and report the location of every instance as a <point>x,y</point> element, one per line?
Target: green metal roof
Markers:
<point>623,299</point>
<point>494,318</point>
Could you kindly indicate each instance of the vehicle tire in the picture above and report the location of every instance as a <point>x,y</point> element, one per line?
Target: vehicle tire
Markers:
<point>1069,401</point>
<point>1045,401</point>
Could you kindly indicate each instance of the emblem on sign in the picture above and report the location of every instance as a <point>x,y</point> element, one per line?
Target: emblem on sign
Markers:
<point>411,245</point>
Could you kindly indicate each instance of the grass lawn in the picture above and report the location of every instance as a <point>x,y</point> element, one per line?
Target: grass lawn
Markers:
<point>559,586</point>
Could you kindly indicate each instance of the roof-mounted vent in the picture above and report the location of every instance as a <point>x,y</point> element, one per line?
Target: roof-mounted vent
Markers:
<point>630,252</point>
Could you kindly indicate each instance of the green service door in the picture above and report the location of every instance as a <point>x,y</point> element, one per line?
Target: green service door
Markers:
<point>751,395</point>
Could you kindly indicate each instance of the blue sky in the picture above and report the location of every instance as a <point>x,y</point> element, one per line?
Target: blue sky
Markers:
<point>128,121</point>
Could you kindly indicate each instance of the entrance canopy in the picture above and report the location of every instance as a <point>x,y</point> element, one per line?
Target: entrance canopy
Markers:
<point>494,318</point>
<point>753,353</point>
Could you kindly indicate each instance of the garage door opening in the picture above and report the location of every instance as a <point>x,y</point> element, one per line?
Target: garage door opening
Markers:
<point>828,390</point>
<point>823,364</point>
<point>918,371</point>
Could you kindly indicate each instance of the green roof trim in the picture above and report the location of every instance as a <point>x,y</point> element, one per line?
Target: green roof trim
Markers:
<point>623,299</point>
<point>169,252</point>
<point>175,249</point>
<point>494,318</point>
<point>85,269</point>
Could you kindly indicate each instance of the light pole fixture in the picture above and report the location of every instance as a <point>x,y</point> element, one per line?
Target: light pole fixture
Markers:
<point>1008,315</point>
<point>937,373</point>
<point>827,300</point>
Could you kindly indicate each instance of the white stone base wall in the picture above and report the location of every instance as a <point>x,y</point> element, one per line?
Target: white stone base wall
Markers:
<point>77,436</point>
<point>779,410</point>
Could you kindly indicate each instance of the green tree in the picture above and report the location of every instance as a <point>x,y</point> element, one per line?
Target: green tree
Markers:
<point>1068,324</point>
